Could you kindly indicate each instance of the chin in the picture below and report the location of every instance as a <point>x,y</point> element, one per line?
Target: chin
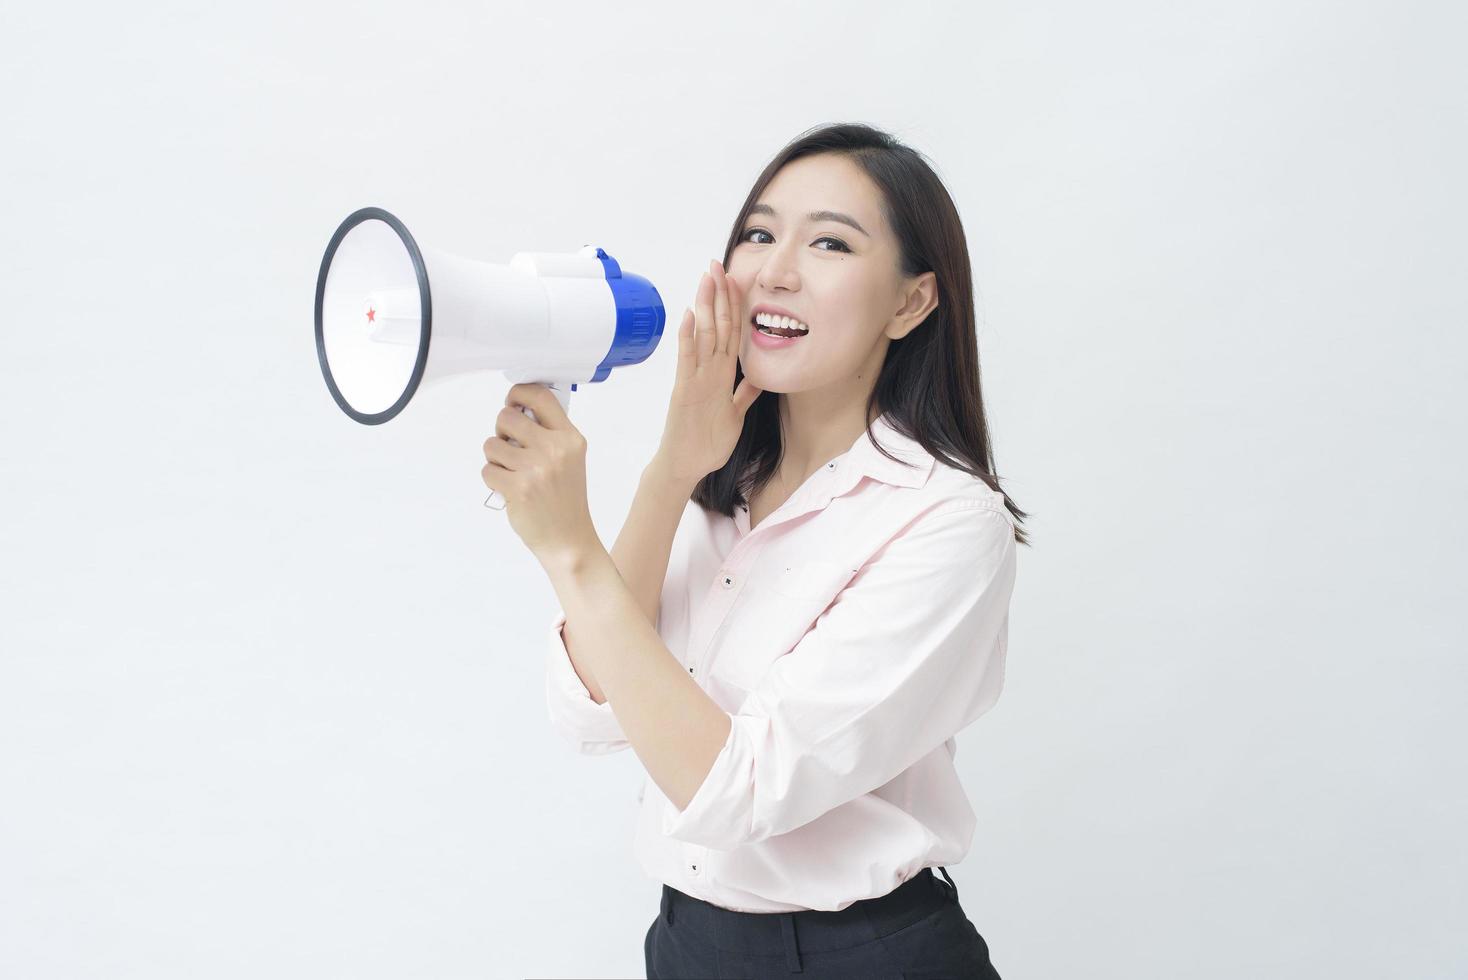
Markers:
<point>781,379</point>
<point>780,384</point>
<point>772,385</point>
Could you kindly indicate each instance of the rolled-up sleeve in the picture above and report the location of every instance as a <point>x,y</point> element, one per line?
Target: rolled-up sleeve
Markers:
<point>591,728</point>
<point>908,654</point>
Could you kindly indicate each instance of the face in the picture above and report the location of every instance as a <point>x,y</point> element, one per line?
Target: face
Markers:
<point>843,283</point>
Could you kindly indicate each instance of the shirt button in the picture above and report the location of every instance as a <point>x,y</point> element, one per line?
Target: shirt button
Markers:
<point>695,869</point>
<point>728,582</point>
<point>830,466</point>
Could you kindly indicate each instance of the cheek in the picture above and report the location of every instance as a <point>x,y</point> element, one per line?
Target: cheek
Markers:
<point>847,310</point>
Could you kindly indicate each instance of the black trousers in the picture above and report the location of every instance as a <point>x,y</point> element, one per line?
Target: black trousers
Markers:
<point>918,930</point>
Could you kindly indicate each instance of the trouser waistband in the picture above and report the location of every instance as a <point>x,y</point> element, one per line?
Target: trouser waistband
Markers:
<point>811,930</point>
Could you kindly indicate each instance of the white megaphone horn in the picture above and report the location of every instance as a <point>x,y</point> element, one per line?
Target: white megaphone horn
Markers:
<point>391,317</point>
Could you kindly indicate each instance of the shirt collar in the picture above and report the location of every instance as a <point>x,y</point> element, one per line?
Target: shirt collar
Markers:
<point>914,462</point>
<point>862,459</point>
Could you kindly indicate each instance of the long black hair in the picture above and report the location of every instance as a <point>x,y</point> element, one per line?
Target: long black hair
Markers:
<point>929,383</point>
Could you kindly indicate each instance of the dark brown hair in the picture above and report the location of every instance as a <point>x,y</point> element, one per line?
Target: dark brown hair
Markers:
<point>929,382</point>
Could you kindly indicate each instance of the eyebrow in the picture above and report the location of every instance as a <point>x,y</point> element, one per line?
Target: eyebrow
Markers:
<point>844,219</point>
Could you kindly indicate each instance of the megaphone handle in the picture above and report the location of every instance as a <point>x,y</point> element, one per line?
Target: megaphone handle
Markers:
<point>563,395</point>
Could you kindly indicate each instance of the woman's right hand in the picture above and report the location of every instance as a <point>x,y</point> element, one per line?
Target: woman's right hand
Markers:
<point>705,416</point>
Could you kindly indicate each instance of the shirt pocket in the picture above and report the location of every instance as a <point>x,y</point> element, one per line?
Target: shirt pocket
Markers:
<point>813,579</point>
<point>789,598</point>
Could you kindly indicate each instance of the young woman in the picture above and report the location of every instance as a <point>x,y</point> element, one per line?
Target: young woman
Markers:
<point>793,654</point>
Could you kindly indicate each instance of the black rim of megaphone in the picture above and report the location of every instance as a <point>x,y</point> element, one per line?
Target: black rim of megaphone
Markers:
<point>425,330</point>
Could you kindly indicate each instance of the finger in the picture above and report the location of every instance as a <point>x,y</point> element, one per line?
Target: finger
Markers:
<point>736,317</point>
<point>687,353</point>
<point>513,423</point>
<point>721,310</point>
<point>703,308</point>
<point>501,480</point>
<point>499,438</point>
<point>745,396</point>
<point>501,454</point>
<point>542,401</point>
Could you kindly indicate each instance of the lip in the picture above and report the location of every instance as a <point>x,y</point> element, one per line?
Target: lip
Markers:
<point>771,343</point>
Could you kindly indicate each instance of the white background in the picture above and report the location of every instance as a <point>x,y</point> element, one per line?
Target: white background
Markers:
<point>271,695</point>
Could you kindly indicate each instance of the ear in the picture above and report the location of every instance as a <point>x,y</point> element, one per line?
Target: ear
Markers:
<point>920,300</point>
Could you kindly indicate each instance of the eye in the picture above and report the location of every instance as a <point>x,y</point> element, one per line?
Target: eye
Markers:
<point>840,245</point>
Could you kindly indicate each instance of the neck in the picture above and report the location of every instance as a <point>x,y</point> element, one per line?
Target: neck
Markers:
<point>811,435</point>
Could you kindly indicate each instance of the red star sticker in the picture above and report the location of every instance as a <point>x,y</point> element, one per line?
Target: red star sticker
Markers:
<point>371,315</point>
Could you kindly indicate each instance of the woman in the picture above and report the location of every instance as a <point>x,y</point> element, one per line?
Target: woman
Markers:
<point>793,654</point>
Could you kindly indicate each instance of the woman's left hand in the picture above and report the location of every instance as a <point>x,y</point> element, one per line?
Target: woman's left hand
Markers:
<point>543,479</point>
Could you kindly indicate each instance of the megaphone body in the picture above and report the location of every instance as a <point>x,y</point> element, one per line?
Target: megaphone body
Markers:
<point>393,317</point>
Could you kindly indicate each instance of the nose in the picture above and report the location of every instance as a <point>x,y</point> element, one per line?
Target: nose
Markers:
<point>778,270</point>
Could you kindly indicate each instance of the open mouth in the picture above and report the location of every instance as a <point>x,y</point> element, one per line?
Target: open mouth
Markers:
<point>777,326</point>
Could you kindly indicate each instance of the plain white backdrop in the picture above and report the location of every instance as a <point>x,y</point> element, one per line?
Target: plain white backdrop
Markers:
<point>271,697</point>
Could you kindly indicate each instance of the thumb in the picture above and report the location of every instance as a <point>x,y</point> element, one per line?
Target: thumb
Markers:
<point>745,396</point>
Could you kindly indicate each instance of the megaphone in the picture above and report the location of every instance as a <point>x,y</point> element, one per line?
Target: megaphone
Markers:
<point>392,317</point>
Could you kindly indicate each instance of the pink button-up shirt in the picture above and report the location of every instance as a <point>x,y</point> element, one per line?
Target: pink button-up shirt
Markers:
<point>850,636</point>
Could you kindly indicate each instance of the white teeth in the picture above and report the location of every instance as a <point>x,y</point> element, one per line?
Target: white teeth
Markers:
<point>788,323</point>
